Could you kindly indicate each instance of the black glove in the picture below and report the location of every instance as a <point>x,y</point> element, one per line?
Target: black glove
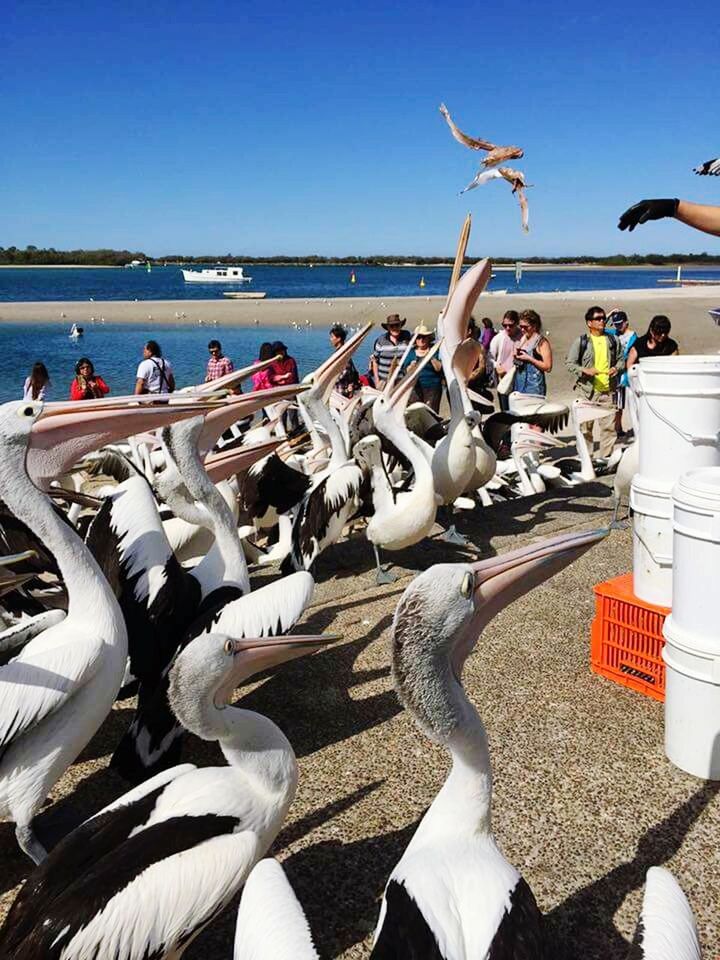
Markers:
<point>647,210</point>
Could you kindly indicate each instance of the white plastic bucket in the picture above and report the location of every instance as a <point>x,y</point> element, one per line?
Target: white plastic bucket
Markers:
<point>651,503</point>
<point>692,704</point>
<point>679,414</point>
<point>696,555</point>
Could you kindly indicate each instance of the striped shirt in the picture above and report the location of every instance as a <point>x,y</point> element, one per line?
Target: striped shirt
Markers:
<point>218,367</point>
<point>385,351</point>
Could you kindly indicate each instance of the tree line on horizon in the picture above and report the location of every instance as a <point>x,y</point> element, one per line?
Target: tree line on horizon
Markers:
<point>49,256</point>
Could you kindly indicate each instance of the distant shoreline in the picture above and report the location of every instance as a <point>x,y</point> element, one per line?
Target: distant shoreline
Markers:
<point>500,267</point>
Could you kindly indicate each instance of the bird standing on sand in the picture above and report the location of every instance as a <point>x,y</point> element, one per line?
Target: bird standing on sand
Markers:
<point>144,876</point>
<point>453,895</point>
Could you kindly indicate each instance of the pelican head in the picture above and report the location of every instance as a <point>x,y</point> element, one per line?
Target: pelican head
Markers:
<point>208,670</point>
<point>442,613</point>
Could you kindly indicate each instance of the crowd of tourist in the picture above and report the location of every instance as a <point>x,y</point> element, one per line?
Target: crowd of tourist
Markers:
<point>516,356</point>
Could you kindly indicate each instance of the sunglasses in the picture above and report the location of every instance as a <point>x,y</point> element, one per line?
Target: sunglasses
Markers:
<point>508,325</point>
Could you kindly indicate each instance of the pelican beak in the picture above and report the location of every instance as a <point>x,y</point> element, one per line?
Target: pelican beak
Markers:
<point>532,439</point>
<point>223,384</point>
<point>12,558</point>
<point>61,437</point>
<point>237,408</point>
<point>401,395</point>
<point>220,466</point>
<point>7,584</point>
<point>252,655</point>
<point>75,496</point>
<point>500,580</point>
<point>323,379</point>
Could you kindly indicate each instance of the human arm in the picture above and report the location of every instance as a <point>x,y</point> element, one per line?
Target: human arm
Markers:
<point>632,358</point>
<point>171,381</point>
<point>698,215</point>
<point>573,362</point>
<point>546,359</point>
<point>77,392</point>
<point>100,385</point>
<point>139,386</point>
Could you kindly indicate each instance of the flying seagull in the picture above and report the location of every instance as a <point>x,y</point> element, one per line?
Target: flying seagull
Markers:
<point>514,177</point>
<point>495,154</point>
<point>709,169</point>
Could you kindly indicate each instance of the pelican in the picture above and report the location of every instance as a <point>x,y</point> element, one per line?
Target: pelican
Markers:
<point>585,411</point>
<point>144,876</point>
<point>60,687</point>
<point>401,518</point>
<point>271,924</point>
<point>453,894</point>
<point>666,929</point>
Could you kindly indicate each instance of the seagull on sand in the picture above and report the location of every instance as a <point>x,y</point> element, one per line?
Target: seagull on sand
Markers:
<point>709,169</point>
<point>514,177</point>
<point>495,153</point>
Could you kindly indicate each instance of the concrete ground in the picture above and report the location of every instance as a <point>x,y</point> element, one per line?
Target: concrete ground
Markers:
<point>584,801</point>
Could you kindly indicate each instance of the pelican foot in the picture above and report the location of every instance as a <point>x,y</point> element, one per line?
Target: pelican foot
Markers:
<point>29,843</point>
<point>452,536</point>
<point>385,576</point>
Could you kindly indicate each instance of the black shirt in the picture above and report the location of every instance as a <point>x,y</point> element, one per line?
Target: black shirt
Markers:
<point>664,349</point>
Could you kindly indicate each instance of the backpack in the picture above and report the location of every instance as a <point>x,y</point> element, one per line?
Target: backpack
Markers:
<point>584,340</point>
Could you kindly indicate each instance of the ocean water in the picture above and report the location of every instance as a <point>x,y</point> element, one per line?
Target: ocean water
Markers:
<point>117,350</point>
<point>166,283</point>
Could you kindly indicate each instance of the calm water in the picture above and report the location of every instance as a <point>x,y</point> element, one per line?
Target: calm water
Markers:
<point>166,283</point>
<point>116,352</point>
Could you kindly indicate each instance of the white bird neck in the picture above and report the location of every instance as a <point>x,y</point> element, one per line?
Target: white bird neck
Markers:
<point>316,410</point>
<point>400,436</point>
<point>89,594</point>
<point>587,470</point>
<point>465,799</point>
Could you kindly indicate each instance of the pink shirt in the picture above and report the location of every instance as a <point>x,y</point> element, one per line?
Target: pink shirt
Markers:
<point>261,380</point>
<point>502,349</point>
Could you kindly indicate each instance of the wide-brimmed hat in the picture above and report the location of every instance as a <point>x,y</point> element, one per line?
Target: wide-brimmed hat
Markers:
<point>423,331</point>
<point>393,320</point>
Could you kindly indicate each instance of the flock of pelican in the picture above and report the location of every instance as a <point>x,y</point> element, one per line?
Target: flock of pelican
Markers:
<point>145,587</point>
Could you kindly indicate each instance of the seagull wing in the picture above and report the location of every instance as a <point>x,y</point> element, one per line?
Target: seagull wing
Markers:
<point>37,683</point>
<point>482,176</point>
<point>463,137</point>
<point>710,168</point>
<point>524,213</point>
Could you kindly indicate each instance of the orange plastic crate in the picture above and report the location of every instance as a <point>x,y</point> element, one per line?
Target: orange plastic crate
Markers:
<point>626,642</point>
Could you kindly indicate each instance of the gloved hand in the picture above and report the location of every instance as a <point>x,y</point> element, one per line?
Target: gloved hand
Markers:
<point>647,210</point>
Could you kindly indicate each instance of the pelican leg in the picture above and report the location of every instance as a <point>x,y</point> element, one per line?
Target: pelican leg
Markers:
<point>29,843</point>
<point>616,523</point>
<point>382,576</point>
<point>451,535</point>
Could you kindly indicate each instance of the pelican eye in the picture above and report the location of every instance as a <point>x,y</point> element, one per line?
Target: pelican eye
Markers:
<point>27,412</point>
<point>467,585</point>
<point>229,647</point>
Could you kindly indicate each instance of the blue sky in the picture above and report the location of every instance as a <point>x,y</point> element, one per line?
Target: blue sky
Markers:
<point>313,128</point>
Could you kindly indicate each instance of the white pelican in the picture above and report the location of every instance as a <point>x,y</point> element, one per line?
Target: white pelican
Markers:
<point>58,690</point>
<point>271,924</point>
<point>453,894</point>
<point>666,929</point>
<point>400,518</point>
<point>709,168</point>
<point>144,876</point>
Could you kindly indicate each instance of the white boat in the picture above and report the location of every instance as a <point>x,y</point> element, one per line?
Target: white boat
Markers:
<point>134,264</point>
<point>216,275</point>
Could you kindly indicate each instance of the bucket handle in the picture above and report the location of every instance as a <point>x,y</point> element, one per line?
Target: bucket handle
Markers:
<point>699,440</point>
<point>664,559</point>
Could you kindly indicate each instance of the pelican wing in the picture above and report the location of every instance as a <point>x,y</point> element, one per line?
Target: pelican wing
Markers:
<point>23,632</point>
<point>524,212</point>
<point>266,612</point>
<point>710,168</point>
<point>271,924</point>
<point>497,425</point>
<point>36,684</point>
<point>463,138</point>
<point>175,858</point>
<point>666,930</point>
